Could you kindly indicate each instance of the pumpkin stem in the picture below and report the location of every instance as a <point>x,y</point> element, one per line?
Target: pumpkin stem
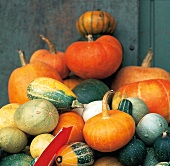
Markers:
<point>77,104</point>
<point>164,134</point>
<point>50,44</point>
<point>22,57</point>
<point>147,61</point>
<point>105,109</point>
<point>89,37</point>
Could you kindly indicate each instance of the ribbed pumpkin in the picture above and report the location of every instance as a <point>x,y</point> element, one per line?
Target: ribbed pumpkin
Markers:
<point>52,57</point>
<point>109,130</point>
<point>155,93</point>
<point>96,22</point>
<point>22,76</point>
<point>130,74</point>
<point>94,59</point>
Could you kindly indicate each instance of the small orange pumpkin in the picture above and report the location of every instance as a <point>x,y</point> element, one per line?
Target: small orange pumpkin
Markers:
<point>109,130</point>
<point>94,59</point>
<point>51,57</point>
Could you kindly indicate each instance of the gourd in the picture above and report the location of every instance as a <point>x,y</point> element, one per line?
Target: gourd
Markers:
<point>163,164</point>
<point>52,57</point>
<point>94,59</point>
<point>76,153</point>
<point>155,93</point>
<point>73,119</point>
<point>130,74</point>
<point>90,90</point>
<point>36,117</point>
<point>150,127</point>
<point>21,77</point>
<point>12,140</point>
<point>161,146</point>
<point>111,127</point>
<point>96,22</point>
<point>19,159</point>
<point>133,154</point>
<point>53,91</point>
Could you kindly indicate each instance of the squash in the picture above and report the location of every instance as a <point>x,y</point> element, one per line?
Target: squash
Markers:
<point>96,22</point>
<point>73,119</point>
<point>76,153</point>
<point>21,77</point>
<point>130,74</point>
<point>54,91</point>
<point>150,127</point>
<point>52,57</point>
<point>7,115</point>
<point>36,117</point>
<point>161,146</point>
<point>94,59</point>
<point>12,140</point>
<point>163,164</point>
<point>107,161</point>
<point>39,144</point>
<point>133,154</point>
<point>155,93</point>
<point>19,159</point>
<point>90,90</point>
<point>111,127</point>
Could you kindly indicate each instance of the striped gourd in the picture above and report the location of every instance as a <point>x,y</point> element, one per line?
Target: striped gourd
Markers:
<point>54,91</point>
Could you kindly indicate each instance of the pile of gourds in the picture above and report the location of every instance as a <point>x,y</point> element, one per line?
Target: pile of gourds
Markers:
<point>125,123</point>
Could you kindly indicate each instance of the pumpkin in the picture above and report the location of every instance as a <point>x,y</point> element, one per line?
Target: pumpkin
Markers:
<point>150,127</point>
<point>71,118</point>
<point>76,153</point>
<point>155,93</point>
<point>133,154</point>
<point>52,57</point>
<point>161,146</point>
<point>94,59</point>
<point>130,74</point>
<point>19,159</point>
<point>21,77</point>
<point>54,91</point>
<point>96,22</point>
<point>36,117</point>
<point>90,90</point>
<point>109,130</point>
<point>12,139</point>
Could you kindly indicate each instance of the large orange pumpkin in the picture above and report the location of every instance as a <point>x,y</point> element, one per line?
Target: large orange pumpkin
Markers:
<point>109,130</point>
<point>22,76</point>
<point>155,93</point>
<point>131,74</point>
<point>52,57</point>
<point>94,59</point>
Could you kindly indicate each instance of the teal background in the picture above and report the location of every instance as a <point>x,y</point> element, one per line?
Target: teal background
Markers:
<point>141,24</point>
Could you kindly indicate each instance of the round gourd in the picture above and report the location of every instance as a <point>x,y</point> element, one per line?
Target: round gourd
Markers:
<point>36,117</point>
<point>19,159</point>
<point>96,22</point>
<point>155,93</point>
<point>111,127</point>
<point>12,139</point>
<point>150,127</point>
<point>90,90</point>
<point>97,59</point>
<point>133,153</point>
<point>77,153</point>
<point>7,115</point>
<point>162,146</point>
<point>39,143</point>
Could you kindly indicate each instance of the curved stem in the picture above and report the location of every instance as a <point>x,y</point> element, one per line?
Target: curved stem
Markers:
<point>50,44</point>
<point>89,37</point>
<point>22,58</point>
<point>147,61</point>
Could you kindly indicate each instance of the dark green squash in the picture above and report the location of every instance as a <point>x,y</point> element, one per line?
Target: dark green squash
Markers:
<point>90,90</point>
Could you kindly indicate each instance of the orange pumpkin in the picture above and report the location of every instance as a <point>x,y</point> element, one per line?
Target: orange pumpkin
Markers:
<point>109,130</point>
<point>71,119</point>
<point>22,76</point>
<point>155,93</point>
<point>94,59</point>
<point>131,74</point>
<point>52,57</point>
